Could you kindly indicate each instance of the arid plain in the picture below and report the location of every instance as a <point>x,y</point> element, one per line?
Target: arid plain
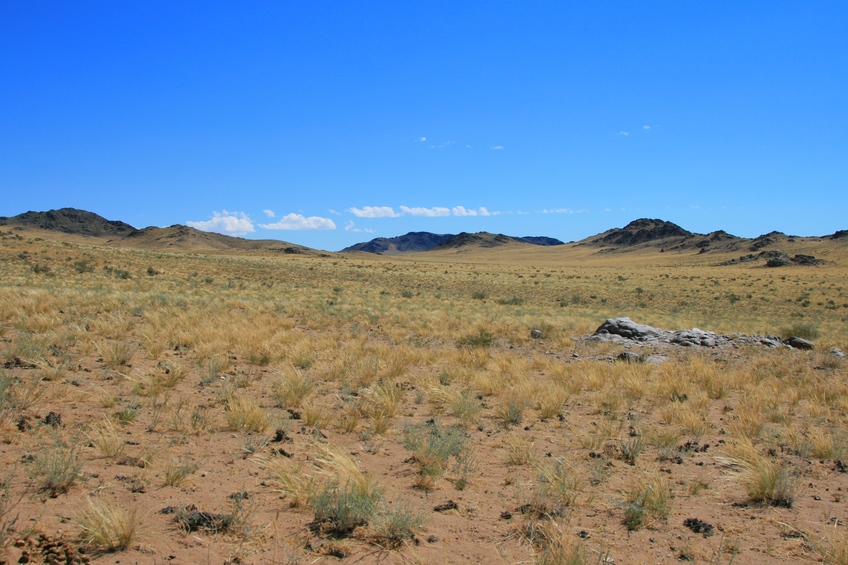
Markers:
<point>255,406</point>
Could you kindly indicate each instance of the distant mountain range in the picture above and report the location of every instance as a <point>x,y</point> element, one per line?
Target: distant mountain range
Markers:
<point>418,241</point>
<point>82,223</point>
<point>641,234</point>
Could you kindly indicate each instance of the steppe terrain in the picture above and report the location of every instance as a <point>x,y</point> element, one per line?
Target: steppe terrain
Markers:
<point>270,406</point>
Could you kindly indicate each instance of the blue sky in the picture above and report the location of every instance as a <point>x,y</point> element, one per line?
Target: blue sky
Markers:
<point>329,123</point>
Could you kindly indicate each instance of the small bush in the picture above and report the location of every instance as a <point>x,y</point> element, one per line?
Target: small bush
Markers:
<point>244,414</point>
<point>342,507</point>
<point>177,473</point>
<point>510,411</point>
<point>648,497</point>
<point>108,526</point>
<point>482,338</point>
<point>291,480</point>
<point>766,480</point>
<point>395,524</point>
<point>433,446</point>
<point>59,468</point>
<point>804,331</point>
<point>291,389</point>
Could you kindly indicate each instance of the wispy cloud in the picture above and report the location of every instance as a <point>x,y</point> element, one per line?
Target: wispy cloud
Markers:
<point>269,213</point>
<point>227,223</point>
<point>463,211</point>
<point>351,227</point>
<point>623,133</point>
<point>430,212</point>
<point>333,212</point>
<point>497,147</point>
<point>300,222</point>
<point>562,211</point>
<point>374,212</point>
<point>646,127</point>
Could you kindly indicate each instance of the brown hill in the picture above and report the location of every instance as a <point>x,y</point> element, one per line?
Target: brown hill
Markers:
<point>191,239</point>
<point>479,239</point>
<point>667,236</point>
<point>70,221</point>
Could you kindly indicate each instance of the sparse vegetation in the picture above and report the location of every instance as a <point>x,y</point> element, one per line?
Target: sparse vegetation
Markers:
<point>352,424</point>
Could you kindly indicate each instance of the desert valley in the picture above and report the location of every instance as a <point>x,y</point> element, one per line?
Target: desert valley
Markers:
<point>175,396</point>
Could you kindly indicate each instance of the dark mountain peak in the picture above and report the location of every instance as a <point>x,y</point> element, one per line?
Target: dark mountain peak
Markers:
<point>541,240</point>
<point>642,230</point>
<point>411,242</point>
<point>481,239</point>
<point>71,221</point>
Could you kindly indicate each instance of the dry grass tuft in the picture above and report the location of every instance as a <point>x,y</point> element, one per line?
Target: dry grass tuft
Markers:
<point>109,526</point>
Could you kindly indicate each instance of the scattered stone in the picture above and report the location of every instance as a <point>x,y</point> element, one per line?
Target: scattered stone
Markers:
<point>23,424</point>
<point>449,505</point>
<point>778,262</point>
<point>626,332</point>
<point>699,526</point>
<point>191,520</point>
<point>630,357</point>
<point>536,334</point>
<point>432,539</point>
<point>837,352</point>
<point>53,419</point>
<point>799,343</point>
<point>506,515</point>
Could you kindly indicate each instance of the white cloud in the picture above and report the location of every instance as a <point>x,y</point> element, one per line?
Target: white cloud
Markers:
<point>497,147</point>
<point>227,223</point>
<point>562,211</point>
<point>695,207</point>
<point>269,213</point>
<point>374,212</point>
<point>333,212</point>
<point>422,139</point>
<point>300,222</point>
<point>607,209</point>
<point>646,127</point>
<point>623,133</point>
<point>430,212</point>
<point>351,227</point>
<point>463,211</point>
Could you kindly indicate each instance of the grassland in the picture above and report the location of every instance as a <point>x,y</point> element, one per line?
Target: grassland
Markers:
<point>288,408</point>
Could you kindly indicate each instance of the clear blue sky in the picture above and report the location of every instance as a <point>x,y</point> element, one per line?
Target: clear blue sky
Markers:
<point>329,123</point>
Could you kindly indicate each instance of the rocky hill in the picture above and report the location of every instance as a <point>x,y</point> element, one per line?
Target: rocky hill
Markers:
<point>70,221</point>
<point>415,242</point>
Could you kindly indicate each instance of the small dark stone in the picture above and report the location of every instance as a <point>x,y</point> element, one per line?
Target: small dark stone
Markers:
<point>583,534</point>
<point>699,526</point>
<point>449,505</point>
<point>506,515</point>
<point>536,334</point>
<point>432,539</point>
<point>53,419</point>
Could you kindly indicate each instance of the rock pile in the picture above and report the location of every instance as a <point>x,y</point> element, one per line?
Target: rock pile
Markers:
<point>625,331</point>
<point>775,258</point>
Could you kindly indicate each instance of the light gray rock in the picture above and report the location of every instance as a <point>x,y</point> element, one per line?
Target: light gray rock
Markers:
<point>630,357</point>
<point>536,334</point>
